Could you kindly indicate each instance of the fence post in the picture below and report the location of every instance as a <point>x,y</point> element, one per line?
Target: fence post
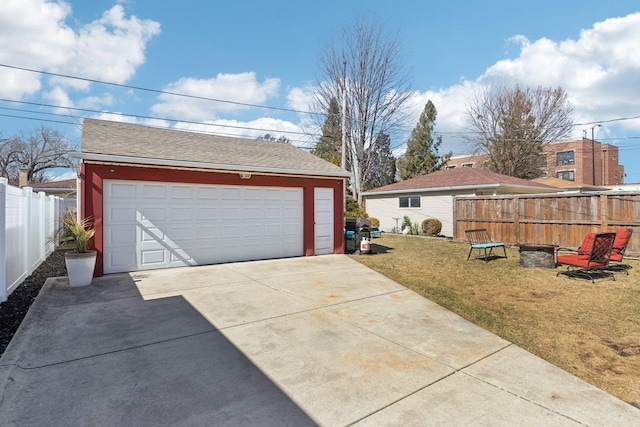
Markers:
<point>3,239</point>
<point>516,218</point>
<point>27,194</point>
<point>604,218</point>
<point>42,224</point>
<point>455,218</point>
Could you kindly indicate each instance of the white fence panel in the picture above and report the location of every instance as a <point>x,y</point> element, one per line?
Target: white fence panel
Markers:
<point>27,220</point>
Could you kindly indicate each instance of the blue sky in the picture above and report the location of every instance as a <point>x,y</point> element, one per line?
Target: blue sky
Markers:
<point>265,53</point>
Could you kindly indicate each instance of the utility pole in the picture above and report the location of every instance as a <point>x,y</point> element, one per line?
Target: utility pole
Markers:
<point>593,155</point>
<point>343,160</point>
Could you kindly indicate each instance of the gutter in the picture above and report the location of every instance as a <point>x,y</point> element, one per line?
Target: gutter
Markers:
<point>108,158</point>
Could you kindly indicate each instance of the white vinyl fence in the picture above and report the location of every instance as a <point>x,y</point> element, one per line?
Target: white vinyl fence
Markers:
<point>27,221</point>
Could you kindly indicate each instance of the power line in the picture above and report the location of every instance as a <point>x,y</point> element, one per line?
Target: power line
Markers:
<point>458,134</point>
<point>163,92</point>
<point>301,144</point>
<point>137,116</point>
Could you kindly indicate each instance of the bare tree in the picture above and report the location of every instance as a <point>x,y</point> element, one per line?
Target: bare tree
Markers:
<point>364,63</point>
<point>512,124</point>
<point>7,158</point>
<point>38,151</point>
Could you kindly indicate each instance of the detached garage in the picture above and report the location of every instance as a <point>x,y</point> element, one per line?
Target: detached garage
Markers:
<point>165,198</point>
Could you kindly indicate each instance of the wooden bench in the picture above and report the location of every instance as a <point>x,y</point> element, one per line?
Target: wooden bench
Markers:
<point>479,239</point>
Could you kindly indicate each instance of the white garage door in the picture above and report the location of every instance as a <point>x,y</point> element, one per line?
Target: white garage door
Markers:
<point>150,225</point>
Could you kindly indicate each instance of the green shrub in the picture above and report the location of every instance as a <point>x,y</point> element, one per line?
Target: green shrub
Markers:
<point>354,209</point>
<point>415,229</point>
<point>431,227</point>
<point>375,222</point>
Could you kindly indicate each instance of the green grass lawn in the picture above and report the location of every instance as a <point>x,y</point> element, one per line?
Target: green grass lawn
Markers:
<point>590,330</point>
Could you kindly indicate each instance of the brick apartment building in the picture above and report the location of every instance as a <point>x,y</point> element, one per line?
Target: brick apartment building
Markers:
<point>582,161</point>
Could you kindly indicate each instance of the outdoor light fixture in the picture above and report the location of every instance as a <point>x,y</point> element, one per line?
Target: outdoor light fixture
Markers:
<point>245,175</point>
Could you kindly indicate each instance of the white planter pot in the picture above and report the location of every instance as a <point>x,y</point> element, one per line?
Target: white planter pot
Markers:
<point>80,267</point>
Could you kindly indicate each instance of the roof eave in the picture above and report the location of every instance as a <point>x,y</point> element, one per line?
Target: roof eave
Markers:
<point>460,188</point>
<point>204,165</point>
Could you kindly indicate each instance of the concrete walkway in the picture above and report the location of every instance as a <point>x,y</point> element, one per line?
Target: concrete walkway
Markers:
<point>302,341</point>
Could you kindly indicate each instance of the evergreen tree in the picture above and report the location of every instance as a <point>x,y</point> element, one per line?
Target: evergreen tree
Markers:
<point>329,146</point>
<point>422,155</point>
<point>382,165</point>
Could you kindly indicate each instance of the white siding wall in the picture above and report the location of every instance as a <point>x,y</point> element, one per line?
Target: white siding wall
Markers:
<point>439,206</point>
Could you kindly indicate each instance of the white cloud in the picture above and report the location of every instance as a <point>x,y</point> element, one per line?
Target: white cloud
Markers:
<point>300,99</point>
<point>600,71</point>
<point>248,129</point>
<point>241,88</point>
<point>35,35</point>
<point>57,96</point>
<point>97,101</point>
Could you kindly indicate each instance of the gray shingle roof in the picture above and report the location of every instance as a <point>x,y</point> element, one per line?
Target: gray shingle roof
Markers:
<point>458,177</point>
<point>103,139</point>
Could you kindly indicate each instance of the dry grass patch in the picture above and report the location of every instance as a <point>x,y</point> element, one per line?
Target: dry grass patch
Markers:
<point>589,330</point>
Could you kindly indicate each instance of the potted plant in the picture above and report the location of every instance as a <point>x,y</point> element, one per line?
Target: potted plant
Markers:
<point>80,262</point>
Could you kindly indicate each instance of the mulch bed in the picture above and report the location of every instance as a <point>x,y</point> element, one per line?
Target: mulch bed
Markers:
<point>13,311</point>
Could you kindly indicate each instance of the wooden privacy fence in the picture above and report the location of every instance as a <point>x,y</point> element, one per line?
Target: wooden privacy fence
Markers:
<point>557,219</point>
<point>27,221</point>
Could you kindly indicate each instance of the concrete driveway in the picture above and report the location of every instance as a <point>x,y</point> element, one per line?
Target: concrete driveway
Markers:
<point>301,341</point>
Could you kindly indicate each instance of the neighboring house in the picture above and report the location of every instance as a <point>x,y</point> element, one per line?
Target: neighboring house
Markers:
<point>65,189</point>
<point>568,186</point>
<point>431,195</point>
<point>166,198</point>
<point>582,161</point>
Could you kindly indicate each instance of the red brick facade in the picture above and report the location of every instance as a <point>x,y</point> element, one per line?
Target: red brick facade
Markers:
<point>572,161</point>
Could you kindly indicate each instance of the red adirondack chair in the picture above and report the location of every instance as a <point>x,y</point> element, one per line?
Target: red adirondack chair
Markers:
<point>592,258</point>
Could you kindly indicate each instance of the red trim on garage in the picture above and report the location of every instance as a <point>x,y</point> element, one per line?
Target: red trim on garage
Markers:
<point>93,175</point>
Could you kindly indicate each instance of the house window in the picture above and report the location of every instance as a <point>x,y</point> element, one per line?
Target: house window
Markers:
<point>544,174</point>
<point>409,201</point>
<point>467,165</point>
<point>566,175</point>
<point>565,158</point>
<point>543,165</point>
<point>450,167</point>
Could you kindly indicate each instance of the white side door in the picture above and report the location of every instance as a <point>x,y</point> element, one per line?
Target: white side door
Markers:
<point>323,220</point>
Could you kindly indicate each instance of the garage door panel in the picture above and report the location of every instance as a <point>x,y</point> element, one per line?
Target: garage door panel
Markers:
<point>181,214</point>
<point>121,260</point>
<point>151,235</point>
<point>230,193</point>
<point>158,225</point>
<point>252,213</point>
<point>120,214</point>
<point>292,213</point>
<point>153,191</point>
<point>153,214</point>
<point>154,258</point>
<point>181,192</point>
<point>206,214</point>
<point>121,190</point>
<point>206,193</point>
